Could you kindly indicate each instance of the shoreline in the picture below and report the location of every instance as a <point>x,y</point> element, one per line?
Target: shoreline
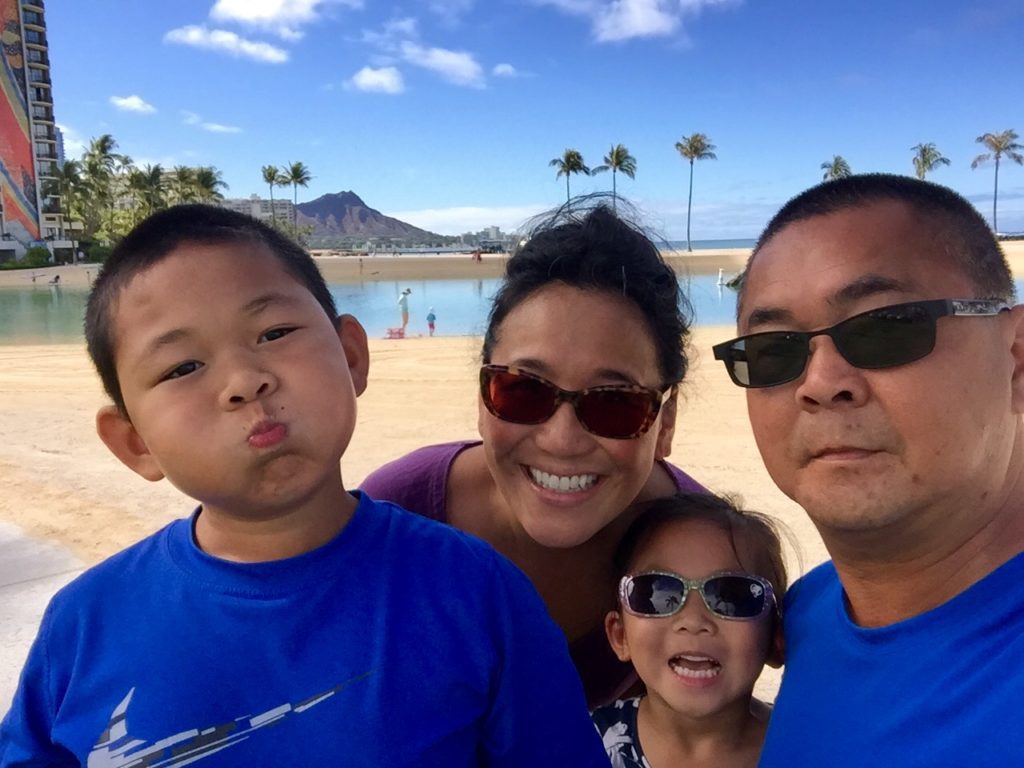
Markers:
<point>383,268</point>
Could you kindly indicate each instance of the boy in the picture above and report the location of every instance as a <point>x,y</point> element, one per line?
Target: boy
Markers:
<point>288,622</point>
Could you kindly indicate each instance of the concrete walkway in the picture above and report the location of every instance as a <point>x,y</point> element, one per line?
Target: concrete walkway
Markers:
<point>31,570</point>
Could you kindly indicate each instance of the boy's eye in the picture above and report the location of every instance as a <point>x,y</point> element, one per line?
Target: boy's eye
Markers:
<point>275,333</point>
<point>182,370</point>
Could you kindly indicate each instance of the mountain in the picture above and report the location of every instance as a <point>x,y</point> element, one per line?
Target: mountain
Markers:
<point>343,216</point>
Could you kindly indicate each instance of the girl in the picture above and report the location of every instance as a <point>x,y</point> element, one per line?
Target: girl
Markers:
<point>698,618</point>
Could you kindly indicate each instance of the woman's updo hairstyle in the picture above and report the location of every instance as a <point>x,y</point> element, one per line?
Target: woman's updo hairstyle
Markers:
<point>589,245</point>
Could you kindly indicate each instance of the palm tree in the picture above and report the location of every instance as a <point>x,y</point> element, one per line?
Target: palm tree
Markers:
<point>694,147</point>
<point>270,177</point>
<point>98,165</point>
<point>208,184</point>
<point>182,184</point>
<point>150,183</point>
<point>836,168</point>
<point>569,163</point>
<point>297,175</point>
<point>618,159</point>
<point>927,158</point>
<point>999,145</point>
<point>66,186</point>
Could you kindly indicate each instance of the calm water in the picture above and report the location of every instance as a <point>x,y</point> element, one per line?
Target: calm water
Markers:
<point>40,314</point>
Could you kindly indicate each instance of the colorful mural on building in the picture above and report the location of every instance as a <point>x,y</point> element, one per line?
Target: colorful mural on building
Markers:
<point>17,164</point>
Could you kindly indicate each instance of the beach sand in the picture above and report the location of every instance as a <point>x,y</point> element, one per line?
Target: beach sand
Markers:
<point>61,485</point>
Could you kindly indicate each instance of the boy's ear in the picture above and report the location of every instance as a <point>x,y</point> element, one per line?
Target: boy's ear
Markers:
<point>357,351</point>
<point>119,435</point>
<point>1017,352</point>
<point>776,645</point>
<point>616,631</point>
<point>667,427</point>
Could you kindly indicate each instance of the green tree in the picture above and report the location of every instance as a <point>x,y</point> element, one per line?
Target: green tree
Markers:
<point>98,165</point>
<point>150,184</point>
<point>297,175</point>
<point>618,160</point>
<point>836,168</point>
<point>999,145</point>
<point>694,147</point>
<point>67,186</point>
<point>181,184</point>
<point>569,163</point>
<point>926,159</point>
<point>208,184</point>
<point>271,175</point>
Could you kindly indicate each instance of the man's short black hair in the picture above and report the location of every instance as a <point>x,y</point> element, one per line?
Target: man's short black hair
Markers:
<point>970,242</point>
<point>156,237</point>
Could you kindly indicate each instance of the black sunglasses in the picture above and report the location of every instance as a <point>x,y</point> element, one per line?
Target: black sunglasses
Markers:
<point>728,595</point>
<point>618,411</point>
<point>880,338</point>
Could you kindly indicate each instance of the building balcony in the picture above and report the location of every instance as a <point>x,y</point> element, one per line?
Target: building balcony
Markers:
<point>38,57</point>
<point>52,206</point>
<point>33,5</point>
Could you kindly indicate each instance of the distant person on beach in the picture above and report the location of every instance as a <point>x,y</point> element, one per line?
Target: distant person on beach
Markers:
<point>403,306</point>
<point>883,358</point>
<point>287,621</point>
<point>55,280</point>
<point>582,360</point>
<point>696,614</point>
<point>431,319</point>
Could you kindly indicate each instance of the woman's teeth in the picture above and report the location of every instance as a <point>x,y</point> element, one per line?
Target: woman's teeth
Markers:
<point>562,483</point>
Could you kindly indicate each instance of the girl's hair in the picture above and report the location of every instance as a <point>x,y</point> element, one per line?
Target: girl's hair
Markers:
<point>755,538</point>
<point>590,245</point>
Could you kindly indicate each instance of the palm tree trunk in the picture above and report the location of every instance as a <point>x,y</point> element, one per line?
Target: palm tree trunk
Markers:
<point>615,194</point>
<point>689,204</point>
<point>295,211</point>
<point>273,213</point>
<point>567,196</point>
<point>995,198</point>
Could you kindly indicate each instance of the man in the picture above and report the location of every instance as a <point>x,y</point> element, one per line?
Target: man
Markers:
<point>885,390</point>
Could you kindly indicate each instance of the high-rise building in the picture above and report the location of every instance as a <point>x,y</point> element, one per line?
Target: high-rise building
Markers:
<point>28,139</point>
<point>260,208</point>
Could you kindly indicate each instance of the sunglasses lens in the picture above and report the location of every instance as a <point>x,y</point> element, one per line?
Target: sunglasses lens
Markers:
<point>768,359</point>
<point>735,597</point>
<point>615,413</point>
<point>887,337</point>
<point>517,398</point>
<point>654,594</point>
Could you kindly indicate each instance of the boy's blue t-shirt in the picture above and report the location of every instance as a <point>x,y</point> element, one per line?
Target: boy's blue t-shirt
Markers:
<point>399,643</point>
<point>940,689</point>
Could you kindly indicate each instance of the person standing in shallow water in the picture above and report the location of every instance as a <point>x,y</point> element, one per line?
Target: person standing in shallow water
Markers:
<point>403,306</point>
<point>431,319</point>
<point>583,356</point>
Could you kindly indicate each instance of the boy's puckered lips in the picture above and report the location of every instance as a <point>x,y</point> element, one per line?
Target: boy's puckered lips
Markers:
<point>267,434</point>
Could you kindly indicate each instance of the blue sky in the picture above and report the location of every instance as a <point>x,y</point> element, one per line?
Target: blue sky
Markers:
<point>445,113</point>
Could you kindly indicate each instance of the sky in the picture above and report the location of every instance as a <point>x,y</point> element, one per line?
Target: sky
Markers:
<point>446,113</point>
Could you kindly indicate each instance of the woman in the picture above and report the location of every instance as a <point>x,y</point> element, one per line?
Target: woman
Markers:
<point>582,358</point>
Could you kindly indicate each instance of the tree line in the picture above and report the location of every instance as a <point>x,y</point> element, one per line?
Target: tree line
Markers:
<point>698,146</point>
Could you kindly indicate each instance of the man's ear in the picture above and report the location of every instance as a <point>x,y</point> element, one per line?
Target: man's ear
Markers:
<point>667,426</point>
<point>616,632</point>
<point>357,351</point>
<point>1017,350</point>
<point>777,645</point>
<point>119,435</point>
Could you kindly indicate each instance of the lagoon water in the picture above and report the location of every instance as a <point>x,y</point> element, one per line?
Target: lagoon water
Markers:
<point>41,314</point>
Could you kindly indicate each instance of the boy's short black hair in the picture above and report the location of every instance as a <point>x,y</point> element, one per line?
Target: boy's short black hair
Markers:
<point>755,538</point>
<point>970,242</point>
<point>591,245</point>
<point>152,240</point>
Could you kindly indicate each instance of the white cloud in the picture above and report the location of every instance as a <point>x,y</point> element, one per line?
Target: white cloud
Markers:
<point>191,118</point>
<point>282,17</point>
<point>220,128</point>
<point>226,42</point>
<point>458,67</point>
<point>74,144</point>
<point>455,221</point>
<point>504,70</point>
<point>616,20</point>
<point>132,104</point>
<point>450,11</point>
<point>387,38</point>
<point>382,80</point>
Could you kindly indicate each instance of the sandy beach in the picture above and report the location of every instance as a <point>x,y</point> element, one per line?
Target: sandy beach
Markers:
<point>61,485</point>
